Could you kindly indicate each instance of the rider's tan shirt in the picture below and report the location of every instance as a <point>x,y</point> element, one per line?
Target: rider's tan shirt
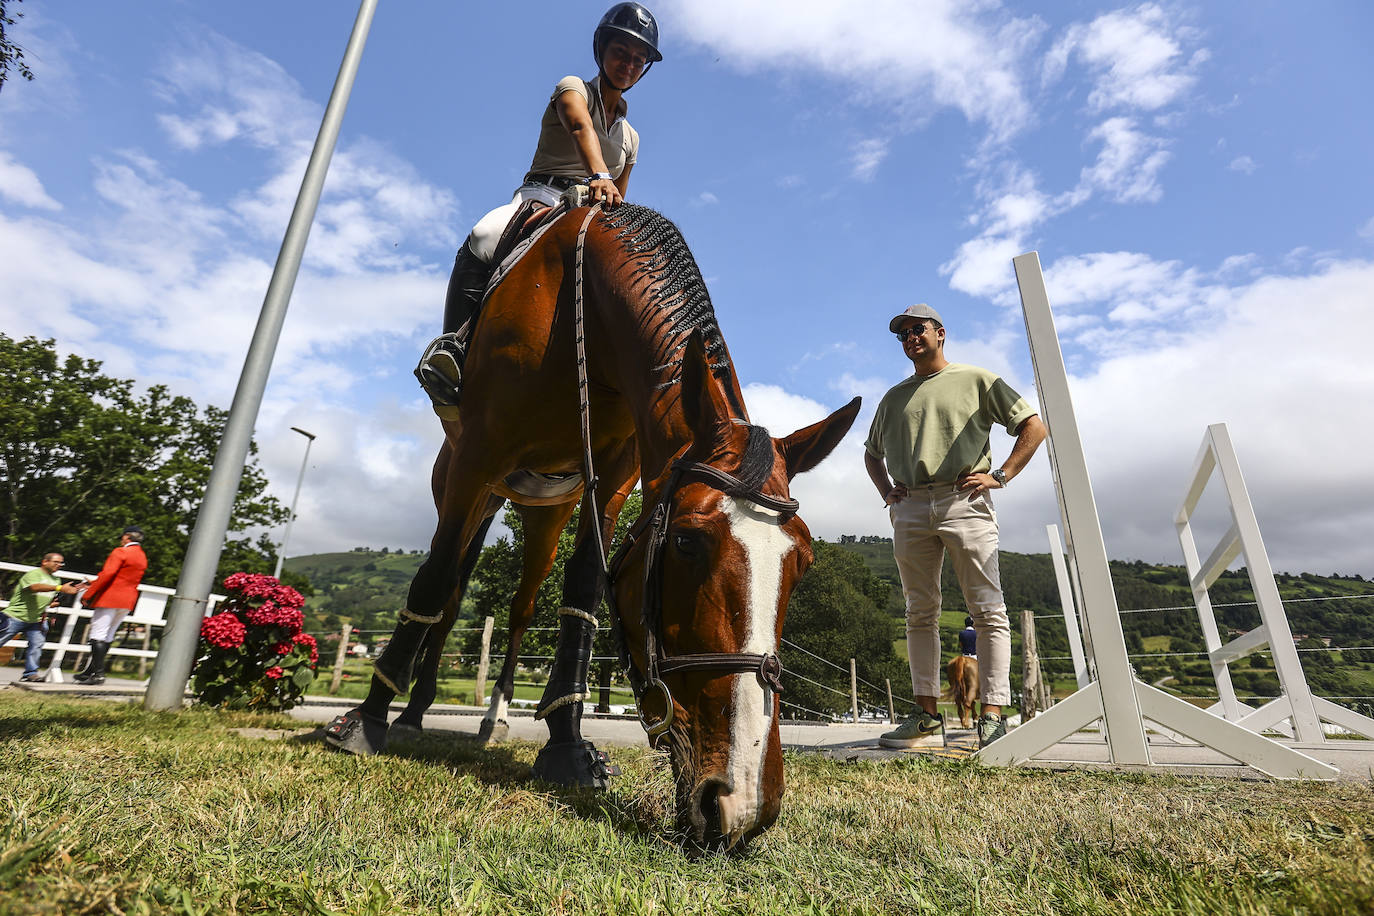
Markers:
<point>556,153</point>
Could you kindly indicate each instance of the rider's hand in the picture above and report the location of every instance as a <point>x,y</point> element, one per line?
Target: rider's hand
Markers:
<point>604,190</point>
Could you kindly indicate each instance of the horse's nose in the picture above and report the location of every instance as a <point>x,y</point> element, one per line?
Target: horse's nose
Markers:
<point>705,811</point>
<point>738,816</point>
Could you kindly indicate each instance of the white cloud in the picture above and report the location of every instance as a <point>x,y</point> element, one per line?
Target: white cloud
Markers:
<point>868,155</point>
<point>1367,230</point>
<point>1136,58</point>
<point>1127,168</point>
<point>21,184</point>
<point>1243,164</point>
<point>936,54</point>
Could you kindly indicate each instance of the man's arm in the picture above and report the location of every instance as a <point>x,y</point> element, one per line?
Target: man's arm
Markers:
<point>107,574</point>
<point>877,472</point>
<point>1029,435</point>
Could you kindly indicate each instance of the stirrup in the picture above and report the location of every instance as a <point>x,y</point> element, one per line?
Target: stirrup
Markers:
<point>440,373</point>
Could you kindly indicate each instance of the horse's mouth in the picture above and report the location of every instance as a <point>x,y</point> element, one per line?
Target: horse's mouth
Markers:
<point>703,812</point>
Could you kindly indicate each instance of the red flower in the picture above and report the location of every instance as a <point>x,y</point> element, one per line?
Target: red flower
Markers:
<point>305,639</point>
<point>274,615</point>
<point>223,631</point>
<point>275,672</point>
<point>284,648</point>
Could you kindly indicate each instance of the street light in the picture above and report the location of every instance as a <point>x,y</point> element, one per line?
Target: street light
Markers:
<point>281,554</point>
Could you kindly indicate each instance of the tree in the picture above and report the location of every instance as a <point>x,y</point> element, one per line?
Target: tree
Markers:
<point>11,55</point>
<point>84,454</point>
<point>836,613</point>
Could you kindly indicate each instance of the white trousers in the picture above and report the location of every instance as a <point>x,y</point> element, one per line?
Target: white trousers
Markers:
<point>105,622</point>
<point>934,519</point>
<point>487,232</point>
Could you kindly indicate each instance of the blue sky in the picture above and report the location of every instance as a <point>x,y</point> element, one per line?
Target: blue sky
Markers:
<point>1194,176</point>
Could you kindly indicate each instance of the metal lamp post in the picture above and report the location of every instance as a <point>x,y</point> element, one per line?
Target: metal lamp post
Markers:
<point>167,686</point>
<point>286,537</point>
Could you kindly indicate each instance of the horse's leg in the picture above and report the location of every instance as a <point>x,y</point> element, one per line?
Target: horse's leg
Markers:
<point>543,525</point>
<point>426,686</point>
<point>567,759</point>
<point>362,730</point>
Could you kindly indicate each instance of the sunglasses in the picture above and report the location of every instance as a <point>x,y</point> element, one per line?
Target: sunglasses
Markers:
<point>915,330</point>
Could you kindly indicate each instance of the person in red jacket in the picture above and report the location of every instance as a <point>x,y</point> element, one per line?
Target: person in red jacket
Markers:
<point>111,597</point>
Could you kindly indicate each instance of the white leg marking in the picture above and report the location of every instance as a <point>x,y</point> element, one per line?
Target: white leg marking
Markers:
<point>765,545</point>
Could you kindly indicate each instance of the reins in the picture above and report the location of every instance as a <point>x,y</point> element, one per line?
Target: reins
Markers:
<point>767,666</point>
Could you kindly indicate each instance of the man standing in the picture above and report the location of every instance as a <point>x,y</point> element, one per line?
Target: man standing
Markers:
<point>111,597</point>
<point>968,639</point>
<point>28,609</point>
<point>931,433</point>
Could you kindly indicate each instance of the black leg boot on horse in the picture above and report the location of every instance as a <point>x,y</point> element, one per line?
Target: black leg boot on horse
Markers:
<point>568,760</point>
<point>441,366</point>
<point>363,730</point>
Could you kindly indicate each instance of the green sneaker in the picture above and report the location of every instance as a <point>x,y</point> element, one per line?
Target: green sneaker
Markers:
<point>990,728</point>
<point>911,731</point>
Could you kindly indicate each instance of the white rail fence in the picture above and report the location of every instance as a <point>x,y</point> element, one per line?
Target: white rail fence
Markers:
<point>148,615</point>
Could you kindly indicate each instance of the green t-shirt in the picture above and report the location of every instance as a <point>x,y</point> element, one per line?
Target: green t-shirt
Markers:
<point>29,606</point>
<point>936,427</point>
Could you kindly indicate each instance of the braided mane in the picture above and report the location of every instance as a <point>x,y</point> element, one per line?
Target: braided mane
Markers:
<point>675,287</point>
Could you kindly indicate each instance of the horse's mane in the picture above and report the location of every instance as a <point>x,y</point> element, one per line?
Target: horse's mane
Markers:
<point>676,289</point>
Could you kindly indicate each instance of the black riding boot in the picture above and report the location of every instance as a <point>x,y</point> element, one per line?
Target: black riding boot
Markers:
<point>441,367</point>
<point>567,760</point>
<point>95,671</point>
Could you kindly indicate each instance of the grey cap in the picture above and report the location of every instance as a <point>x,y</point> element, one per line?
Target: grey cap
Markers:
<point>920,310</point>
<point>132,529</point>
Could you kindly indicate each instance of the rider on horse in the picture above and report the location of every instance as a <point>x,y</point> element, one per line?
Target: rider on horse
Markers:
<point>584,138</point>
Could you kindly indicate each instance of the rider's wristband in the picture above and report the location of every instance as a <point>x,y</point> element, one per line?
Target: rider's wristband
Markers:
<point>601,176</point>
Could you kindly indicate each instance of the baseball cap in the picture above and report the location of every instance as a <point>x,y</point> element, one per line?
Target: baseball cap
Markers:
<point>132,529</point>
<point>920,310</point>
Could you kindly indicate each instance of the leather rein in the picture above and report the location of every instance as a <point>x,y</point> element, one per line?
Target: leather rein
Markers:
<point>768,667</point>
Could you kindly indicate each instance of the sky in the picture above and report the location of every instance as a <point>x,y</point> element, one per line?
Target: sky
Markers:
<point>1195,178</point>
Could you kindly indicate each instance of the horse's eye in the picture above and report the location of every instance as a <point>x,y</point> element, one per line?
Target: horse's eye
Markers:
<point>685,543</point>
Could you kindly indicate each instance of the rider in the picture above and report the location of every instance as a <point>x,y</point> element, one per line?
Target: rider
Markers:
<point>583,138</point>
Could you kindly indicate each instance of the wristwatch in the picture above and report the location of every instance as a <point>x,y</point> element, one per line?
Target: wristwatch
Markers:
<point>999,475</point>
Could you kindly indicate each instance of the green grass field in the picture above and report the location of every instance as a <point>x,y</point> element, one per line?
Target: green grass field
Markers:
<point>110,809</point>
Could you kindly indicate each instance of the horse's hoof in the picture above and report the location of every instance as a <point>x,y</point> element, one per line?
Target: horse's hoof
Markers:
<point>574,763</point>
<point>356,733</point>
<point>404,732</point>
<point>491,732</point>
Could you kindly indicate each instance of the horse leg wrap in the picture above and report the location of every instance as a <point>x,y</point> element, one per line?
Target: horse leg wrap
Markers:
<point>395,667</point>
<point>568,679</point>
<point>574,763</point>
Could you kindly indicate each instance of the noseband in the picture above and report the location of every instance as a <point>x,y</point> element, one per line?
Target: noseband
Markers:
<point>768,667</point>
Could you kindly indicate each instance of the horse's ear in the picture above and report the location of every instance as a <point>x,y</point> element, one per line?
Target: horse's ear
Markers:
<point>806,448</point>
<point>703,397</point>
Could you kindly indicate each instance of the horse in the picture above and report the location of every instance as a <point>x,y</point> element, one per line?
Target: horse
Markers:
<point>962,672</point>
<point>598,348</point>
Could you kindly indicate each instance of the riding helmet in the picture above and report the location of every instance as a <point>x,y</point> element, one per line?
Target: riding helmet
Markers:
<point>630,19</point>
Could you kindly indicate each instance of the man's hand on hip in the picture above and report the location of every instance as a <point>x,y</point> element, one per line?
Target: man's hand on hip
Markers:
<point>896,494</point>
<point>978,484</point>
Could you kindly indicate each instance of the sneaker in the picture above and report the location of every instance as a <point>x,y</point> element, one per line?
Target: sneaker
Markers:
<point>910,732</point>
<point>32,678</point>
<point>990,728</point>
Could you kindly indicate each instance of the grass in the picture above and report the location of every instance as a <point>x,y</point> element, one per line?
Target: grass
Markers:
<point>108,808</point>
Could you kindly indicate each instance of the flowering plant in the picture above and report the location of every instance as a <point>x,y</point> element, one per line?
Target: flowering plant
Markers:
<point>253,654</point>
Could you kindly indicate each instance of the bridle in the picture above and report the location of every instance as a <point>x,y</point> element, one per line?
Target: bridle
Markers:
<point>768,667</point>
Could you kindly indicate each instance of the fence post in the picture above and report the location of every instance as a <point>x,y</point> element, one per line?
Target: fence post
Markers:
<point>339,657</point>
<point>604,701</point>
<point>891,709</point>
<point>143,659</point>
<point>854,691</point>
<point>479,690</point>
<point>1034,694</point>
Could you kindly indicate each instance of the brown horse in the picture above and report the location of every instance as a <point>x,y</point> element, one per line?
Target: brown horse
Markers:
<point>702,586</point>
<point>962,672</point>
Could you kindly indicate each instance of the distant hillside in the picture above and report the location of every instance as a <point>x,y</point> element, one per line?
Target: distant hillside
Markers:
<point>366,588</point>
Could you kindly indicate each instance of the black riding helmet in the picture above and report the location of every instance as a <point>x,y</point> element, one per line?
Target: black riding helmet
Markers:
<point>630,19</point>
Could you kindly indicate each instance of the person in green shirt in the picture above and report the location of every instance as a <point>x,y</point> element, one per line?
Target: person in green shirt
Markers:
<point>931,435</point>
<point>28,609</point>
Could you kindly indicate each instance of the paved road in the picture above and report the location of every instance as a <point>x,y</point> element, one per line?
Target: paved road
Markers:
<point>1355,759</point>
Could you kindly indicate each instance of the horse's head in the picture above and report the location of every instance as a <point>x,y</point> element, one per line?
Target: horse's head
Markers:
<point>718,554</point>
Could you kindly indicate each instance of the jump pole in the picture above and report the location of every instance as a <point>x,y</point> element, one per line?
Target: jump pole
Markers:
<point>167,686</point>
<point>1116,697</point>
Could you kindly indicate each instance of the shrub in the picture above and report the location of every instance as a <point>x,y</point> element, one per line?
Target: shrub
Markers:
<point>253,654</point>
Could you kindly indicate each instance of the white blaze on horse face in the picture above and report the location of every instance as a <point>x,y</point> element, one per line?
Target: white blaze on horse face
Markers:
<point>765,545</point>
